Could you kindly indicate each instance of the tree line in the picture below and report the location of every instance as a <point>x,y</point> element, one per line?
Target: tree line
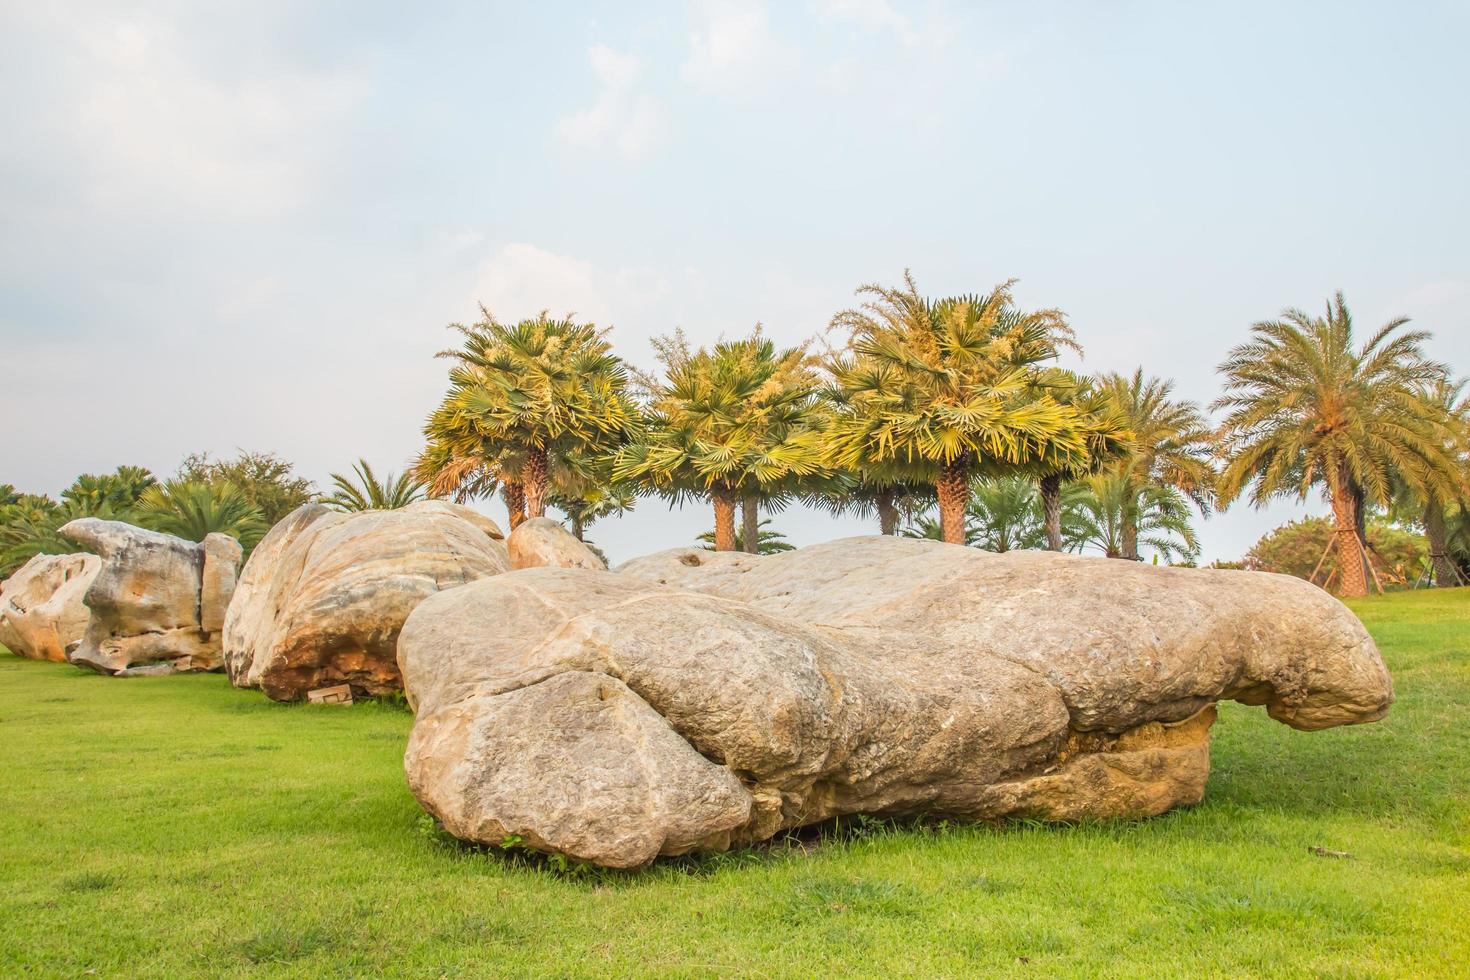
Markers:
<point>909,401</point>
<point>243,497</point>
<point>938,417</point>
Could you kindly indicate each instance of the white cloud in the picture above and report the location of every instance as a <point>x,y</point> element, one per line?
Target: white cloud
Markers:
<point>732,47</point>
<point>622,118</point>
<point>147,115</point>
<point>521,279</point>
<point>159,125</point>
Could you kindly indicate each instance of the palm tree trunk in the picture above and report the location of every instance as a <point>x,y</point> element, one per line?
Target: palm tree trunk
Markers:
<point>533,475</point>
<point>514,495</point>
<point>1445,572</point>
<point>1351,576</point>
<point>953,486</point>
<point>576,527</point>
<point>750,524</point>
<point>1051,506</point>
<point>1130,523</point>
<point>887,512</point>
<point>724,520</point>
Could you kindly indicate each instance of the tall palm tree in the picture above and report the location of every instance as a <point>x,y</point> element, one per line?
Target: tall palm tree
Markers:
<point>1307,408</point>
<point>1449,402</point>
<point>1160,517</point>
<point>737,420</point>
<point>943,387</point>
<point>192,509</point>
<point>1173,444</point>
<point>364,491</point>
<point>526,395</point>
<point>1107,439</point>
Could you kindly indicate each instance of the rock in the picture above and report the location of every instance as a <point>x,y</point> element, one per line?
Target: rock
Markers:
<point>154,598</point>
<point>41,608</point>
<point>706,700</point>
<point>542,542</point>
<point>324,594</point>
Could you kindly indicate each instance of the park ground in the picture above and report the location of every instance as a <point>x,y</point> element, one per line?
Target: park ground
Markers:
<point>177,826</point>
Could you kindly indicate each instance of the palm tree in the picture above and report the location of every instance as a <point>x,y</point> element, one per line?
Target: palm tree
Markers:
<point>1173,444</point>
<point>1160,517</point>
<point>525,395</point>
<point>1006,515</point>
<point>364,491</point>
<point>865,494</point>
<point>584,490</point>
<point>192,509</point>
<point>1306,408</point>
<point>740,420</point>
<point>1451,405</point>
<point>32,526</point>
<point>1107,438</point>
<point>768,542</point>
<point>117,491</point>
<point>941,387</point>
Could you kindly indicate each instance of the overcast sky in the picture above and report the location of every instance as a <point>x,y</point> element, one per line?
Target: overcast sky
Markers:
<point>246,225</point>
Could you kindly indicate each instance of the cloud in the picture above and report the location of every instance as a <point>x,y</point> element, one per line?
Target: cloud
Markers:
<point>621,118</point>
<point>732,48</point>
<point>522,279</point>
<point>156,121</point>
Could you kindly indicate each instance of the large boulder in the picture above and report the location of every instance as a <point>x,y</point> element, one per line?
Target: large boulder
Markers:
<point>695,700</point>
<point>157,602</point>
<point>543,543</point>
<point>41,608</point>
<point>322,599</point>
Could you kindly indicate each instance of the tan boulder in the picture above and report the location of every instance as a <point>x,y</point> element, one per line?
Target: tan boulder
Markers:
<point>700,700</point>
<point>41,608</point>
<point>148,598</point>
<point>322,599</point>
<point>543,543</point>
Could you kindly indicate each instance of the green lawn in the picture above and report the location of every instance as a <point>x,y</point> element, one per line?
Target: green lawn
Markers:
<point>166,826</point>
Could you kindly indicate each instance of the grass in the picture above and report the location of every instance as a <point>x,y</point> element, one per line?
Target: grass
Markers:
<point>173,826</point>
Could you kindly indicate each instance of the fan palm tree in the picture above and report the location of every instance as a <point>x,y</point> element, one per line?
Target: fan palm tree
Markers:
<point>117,491</point>
<point>527,394</point>
<point>456,463</point>
<point>1307,408</point>
<point>364,491</point>
<point>941,387</point>
<point>1160,517</point>
<point>584,490</point>
<point>738,420</point>
<point>1173,444</point>
<point>1107,438</point>
<point>864,494</point>
<point>192,509</point>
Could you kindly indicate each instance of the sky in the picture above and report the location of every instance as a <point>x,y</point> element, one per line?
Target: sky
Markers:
<point>247,225</point>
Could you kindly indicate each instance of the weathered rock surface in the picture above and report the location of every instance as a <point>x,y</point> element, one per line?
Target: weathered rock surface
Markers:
<point>41,608</point>
<point>155,599</point>
<point>324,594</point>
<point>543,543</point>
<point>697,700</point>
